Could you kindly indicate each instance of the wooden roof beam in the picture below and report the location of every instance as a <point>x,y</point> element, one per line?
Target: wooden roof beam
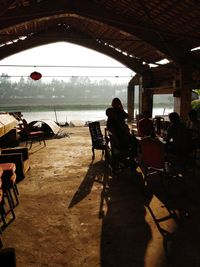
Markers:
<point>72,37</point>
<point>8,4</point>
<point>91,10</point>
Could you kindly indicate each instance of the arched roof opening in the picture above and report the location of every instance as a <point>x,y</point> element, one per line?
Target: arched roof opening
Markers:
<point>139,34</point>
<point>136,33</point>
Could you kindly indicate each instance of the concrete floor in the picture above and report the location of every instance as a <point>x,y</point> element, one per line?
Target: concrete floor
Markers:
<point>73,213</point>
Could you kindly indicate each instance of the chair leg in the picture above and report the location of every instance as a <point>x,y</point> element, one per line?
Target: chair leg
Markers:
<point>11,210</point>
<point>102,154</point>
<point>31,143</point>
<point>3,213</point>
<point>10,197</point>
<point>16,189</point>
<point>44,142</point>
<point>93,154</point>
<point>16,192</point>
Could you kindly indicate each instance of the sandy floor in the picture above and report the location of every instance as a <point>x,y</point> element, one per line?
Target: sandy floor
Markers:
<point>69,216</point>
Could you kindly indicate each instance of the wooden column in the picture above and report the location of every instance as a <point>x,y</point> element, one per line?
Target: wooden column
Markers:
<point>147,101</point>
<point>141,91</point>
<point>130,100</point>
<point>182,102</point>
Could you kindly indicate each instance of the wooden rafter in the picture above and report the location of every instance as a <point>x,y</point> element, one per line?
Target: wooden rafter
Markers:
<point>89,9</point>
<point>73,37</point>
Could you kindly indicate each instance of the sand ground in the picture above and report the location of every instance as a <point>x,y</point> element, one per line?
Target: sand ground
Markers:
<point>72,213</point>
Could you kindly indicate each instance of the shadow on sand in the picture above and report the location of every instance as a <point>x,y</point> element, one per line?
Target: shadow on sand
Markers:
<point>95,173</point>
<point>125,233</point>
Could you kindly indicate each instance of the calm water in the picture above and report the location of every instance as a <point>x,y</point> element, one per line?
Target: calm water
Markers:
<point>83,115</point>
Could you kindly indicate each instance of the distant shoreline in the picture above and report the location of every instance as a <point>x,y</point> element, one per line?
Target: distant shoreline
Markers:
<point>36,108</point>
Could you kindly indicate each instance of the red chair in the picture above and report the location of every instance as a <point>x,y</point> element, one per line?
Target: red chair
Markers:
<point>157,179</point>
<point>153,156</point>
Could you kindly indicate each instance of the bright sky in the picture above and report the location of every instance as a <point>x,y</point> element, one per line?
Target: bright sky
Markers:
<point>65,54</point>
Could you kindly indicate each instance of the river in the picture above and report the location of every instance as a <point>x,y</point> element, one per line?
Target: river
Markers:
<point>83,115</point>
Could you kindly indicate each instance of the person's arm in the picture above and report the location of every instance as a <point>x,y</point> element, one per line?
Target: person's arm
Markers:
<point>169,134</point>
<point>122,115</point>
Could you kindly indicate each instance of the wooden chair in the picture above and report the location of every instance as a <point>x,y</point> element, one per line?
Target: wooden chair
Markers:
<point>2,211</point>
<point>98,140</point>
<point>118,159</point>
<point>10,193</point>
<point>158,124</point>
<point>30,134</point>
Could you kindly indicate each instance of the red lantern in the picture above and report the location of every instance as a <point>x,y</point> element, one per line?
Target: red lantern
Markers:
<point>36,75</point>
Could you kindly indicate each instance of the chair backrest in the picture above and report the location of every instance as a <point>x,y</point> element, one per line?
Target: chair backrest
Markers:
<point>109,139</point>
<point>25,127</point>
<point>158,122</point>
<point>153,153</point>
<point>95,132</point>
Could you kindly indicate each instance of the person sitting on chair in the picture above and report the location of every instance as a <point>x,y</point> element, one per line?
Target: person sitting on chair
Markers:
<point>178,139</point>
<point>117,126</point>
<point>145,125</point>
<point>193,125</point>
<point>123,140</point>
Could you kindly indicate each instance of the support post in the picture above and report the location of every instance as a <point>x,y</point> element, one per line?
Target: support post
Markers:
<point>182,102</point>
<point>130,100</point>
<point>147,101</point>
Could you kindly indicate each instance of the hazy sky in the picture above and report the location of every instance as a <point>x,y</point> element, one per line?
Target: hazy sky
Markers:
<point>65,54</point>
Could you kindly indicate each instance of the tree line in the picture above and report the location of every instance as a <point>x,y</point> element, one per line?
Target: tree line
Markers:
<point>77,90</point>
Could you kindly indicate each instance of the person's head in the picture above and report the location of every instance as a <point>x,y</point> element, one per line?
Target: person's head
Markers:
<point>193,115</point>
<point>116,103</point>
<point>174,117</point>
<point>146,114</point>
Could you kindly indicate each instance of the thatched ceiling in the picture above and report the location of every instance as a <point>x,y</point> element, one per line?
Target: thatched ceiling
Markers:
<point>135,32</point>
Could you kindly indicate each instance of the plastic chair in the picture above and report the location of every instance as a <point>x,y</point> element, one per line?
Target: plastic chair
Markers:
<point>155,167</point>
<point>155,160</point>
<point>98,140</point>
<point>153,155</point>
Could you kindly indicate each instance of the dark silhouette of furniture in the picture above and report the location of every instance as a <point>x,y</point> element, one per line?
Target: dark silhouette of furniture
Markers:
<point>9,139</point>
<point>10,193</point>
<point>98,140</point>
<point>158,124</point>
<point>30,134</point>
<point>158,177</point>
<point>7,257</point>
<point>2,211</point>
<point>116,158</point>
<point>19,156</point>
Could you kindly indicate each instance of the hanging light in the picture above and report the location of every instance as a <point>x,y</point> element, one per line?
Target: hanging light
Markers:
<point>36,75</point>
